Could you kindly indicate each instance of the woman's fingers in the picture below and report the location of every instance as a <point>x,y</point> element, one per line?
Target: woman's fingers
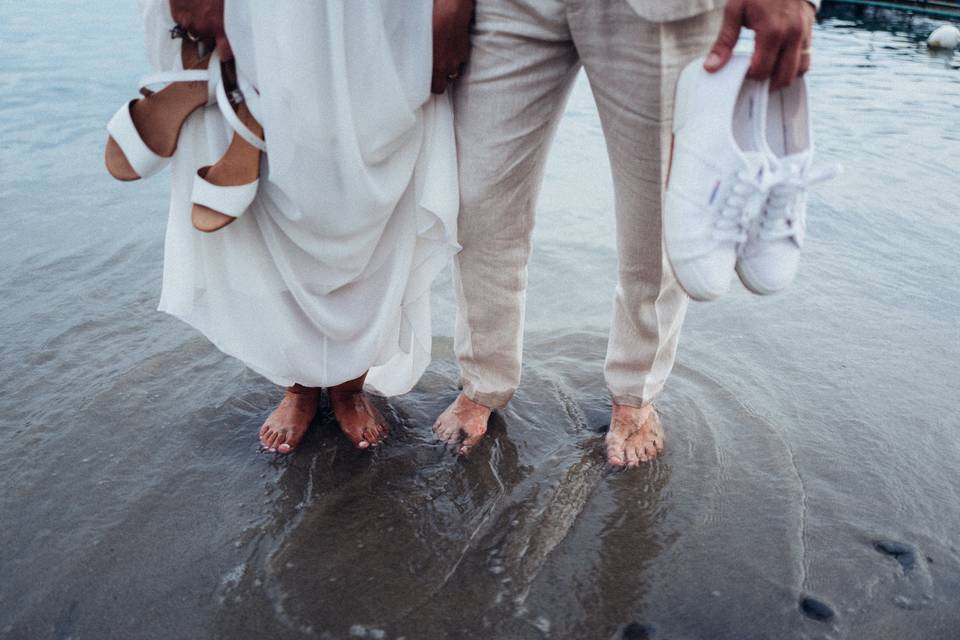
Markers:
<point>223,49</point>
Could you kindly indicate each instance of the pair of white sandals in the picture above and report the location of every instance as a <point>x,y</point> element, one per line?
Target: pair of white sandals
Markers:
<point>228,200</point>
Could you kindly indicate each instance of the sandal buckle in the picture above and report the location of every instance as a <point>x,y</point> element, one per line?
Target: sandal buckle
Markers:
<point>235,97</point>
<point>179,31</point>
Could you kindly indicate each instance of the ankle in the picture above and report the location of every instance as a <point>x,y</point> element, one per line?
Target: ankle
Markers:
<point>299,390</point>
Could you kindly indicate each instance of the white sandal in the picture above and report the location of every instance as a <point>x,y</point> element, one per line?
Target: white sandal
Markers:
<point>124,134</point>
<point>229,202</point>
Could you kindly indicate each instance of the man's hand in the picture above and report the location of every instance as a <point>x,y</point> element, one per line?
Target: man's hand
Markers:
<point>451,40</point>
<point>783,36</point>
<point>204,19</point>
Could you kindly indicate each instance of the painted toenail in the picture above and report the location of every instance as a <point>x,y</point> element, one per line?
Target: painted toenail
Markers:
<point>363,444</point>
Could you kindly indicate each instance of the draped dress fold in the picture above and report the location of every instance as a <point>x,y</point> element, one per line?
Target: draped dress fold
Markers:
<point>328,274</point>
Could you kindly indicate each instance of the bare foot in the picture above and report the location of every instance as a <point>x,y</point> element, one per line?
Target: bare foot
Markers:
<point>285,427</point>
<point>359,419</point>
<point>464,423</point>
<point>635,435</point>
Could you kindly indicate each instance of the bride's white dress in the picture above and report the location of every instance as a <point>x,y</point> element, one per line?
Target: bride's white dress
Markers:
<point>328,274</point>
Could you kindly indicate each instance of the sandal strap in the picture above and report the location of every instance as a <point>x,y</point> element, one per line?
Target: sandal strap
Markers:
<point>216,77</point>
<point>210,75</point>
<point>169,77</point>
<point>232,201</point>
<point>124,132</point>
<point>231,116</point>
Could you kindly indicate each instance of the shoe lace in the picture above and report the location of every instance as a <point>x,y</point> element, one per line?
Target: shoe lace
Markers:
<point>739,206</point>
<point>780,218</point>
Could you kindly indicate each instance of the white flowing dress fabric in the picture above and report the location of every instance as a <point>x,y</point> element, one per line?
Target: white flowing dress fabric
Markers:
<point>328,274</point>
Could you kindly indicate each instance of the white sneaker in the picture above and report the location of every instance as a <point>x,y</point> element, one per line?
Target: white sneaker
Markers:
<point>770,257</point>
<point>716,185</point>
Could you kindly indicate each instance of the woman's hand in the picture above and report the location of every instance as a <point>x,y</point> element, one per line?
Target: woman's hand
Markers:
<point>451,40</point>
<point>204,19</point>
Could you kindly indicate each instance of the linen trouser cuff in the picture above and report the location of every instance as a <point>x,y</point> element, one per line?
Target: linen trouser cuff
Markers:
<point>625,399</point>
<point>490,400</point>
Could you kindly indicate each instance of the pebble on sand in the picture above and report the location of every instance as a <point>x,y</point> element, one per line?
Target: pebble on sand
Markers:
<point>816,609</point>
<point>637,631</point>
<point>899,551</point>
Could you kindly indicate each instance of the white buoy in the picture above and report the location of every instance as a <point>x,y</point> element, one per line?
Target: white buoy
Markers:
<point>945,36</point>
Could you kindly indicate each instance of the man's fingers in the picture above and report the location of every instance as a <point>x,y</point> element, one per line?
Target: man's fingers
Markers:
<point>727,38</point>
<point>439,83</point>
<point>788,66</point>
<point>766,52</point>
<point>805,57</point>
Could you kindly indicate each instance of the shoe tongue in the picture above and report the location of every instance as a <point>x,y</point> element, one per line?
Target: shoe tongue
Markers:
<point>754,162</point>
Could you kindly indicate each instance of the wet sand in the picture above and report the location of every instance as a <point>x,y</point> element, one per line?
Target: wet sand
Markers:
<point>809,490</point>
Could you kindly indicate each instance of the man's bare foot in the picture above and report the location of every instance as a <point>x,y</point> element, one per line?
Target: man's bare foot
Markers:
<point>463,424</point>
<point>285,427</point>
<point>635,435</point>
<point>359,419</point>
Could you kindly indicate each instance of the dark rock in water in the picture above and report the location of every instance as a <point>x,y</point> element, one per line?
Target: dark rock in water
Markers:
<point>902,553</point>
<point>637,631</point>
<point>816,609</point>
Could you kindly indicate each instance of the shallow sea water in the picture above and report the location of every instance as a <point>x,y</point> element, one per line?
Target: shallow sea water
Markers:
<point>811,484</point>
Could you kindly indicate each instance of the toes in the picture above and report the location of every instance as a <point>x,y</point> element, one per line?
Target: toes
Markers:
<point>374,434</point>
<point>285,448</point>
<point>634,455</point>
<point>265,434</point>
<point>470,441</point>
<point>658,443</point>
<point>272,437</point>
<point>445,433</point>
<point>616,454</point>
<point>356,437</point>
<point>651,449</point>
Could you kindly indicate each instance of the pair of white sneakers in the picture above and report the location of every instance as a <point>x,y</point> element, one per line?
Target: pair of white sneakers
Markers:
<point>736,192</point>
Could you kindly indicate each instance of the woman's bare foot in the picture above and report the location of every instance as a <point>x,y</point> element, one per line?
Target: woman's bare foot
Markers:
<point>635,435</point>
<point>463,424</point>
<point>286,426</point>
<point>359,419</point>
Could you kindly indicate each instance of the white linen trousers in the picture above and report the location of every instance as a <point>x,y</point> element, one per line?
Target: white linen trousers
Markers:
<point>525,56</point>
